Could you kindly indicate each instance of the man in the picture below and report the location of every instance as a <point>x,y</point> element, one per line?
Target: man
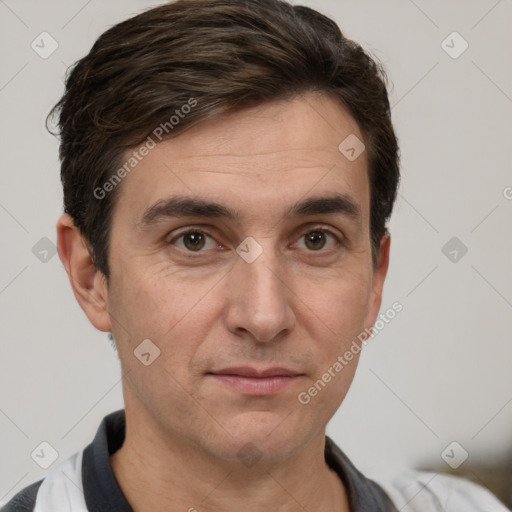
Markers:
<point>228,170</point>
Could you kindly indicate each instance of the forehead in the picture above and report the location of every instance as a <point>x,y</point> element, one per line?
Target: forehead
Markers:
<point>271,154</point>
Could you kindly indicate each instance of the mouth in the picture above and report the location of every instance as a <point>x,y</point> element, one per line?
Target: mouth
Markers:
<point>253,382</point>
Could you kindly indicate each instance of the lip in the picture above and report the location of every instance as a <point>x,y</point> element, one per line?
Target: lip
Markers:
<point>247,371</point>
<point>253,382</point>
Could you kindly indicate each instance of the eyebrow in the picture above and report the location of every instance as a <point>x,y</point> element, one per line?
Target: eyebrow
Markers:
<point>183,206</point>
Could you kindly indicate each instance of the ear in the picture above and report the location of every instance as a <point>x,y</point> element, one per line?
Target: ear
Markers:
<point>89,284</point>
<point>379,276</point>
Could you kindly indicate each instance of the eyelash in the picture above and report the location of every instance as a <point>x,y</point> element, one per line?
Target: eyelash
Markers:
<point>201,231</point>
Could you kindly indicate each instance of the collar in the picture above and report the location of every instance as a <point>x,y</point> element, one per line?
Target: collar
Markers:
<point>103,493</point>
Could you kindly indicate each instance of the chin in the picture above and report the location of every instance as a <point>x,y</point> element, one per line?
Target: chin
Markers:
<point>263,436</point>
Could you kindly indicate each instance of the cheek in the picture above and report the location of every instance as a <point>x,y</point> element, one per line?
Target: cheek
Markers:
<point>168,311</point>
<point>337,306</point>
<point>172,309</point>
<point>322,396</point>
<point>336,310</point>
<point>154,303</point>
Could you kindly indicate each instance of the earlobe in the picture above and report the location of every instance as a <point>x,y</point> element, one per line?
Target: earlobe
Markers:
<point>88,283</point>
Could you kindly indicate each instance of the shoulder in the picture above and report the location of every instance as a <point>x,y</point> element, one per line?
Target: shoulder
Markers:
<point>61,489</point>
<point>426,491</point>
<point>23,501</point>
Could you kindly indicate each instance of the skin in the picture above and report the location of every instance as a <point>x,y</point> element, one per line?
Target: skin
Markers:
<point>298,305</point>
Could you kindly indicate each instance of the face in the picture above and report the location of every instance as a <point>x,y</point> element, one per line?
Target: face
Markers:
<point>252,291</point>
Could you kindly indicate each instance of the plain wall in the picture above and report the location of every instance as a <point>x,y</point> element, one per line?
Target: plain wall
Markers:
<point>439,372</point>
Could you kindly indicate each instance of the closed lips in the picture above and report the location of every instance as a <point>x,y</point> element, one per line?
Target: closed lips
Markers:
<point>254,373</point>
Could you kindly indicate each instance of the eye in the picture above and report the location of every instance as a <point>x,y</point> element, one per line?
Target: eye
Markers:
<point>317,239</point>
<point>193,241</point>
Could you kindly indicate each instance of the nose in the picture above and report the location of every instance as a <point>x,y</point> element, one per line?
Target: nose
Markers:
<point>260,296</point>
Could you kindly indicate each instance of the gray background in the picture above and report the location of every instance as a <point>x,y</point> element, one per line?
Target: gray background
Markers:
<point>439,372</point>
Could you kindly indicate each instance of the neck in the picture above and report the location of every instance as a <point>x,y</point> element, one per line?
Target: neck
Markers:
<point>156,473</point>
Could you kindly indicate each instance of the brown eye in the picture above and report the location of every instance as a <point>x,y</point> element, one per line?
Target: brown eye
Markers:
<point>194,241</point>
<point>315,240</point>
<point>318,239</point>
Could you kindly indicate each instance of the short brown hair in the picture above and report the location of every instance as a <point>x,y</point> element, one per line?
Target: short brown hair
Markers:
<point>227,55</point>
